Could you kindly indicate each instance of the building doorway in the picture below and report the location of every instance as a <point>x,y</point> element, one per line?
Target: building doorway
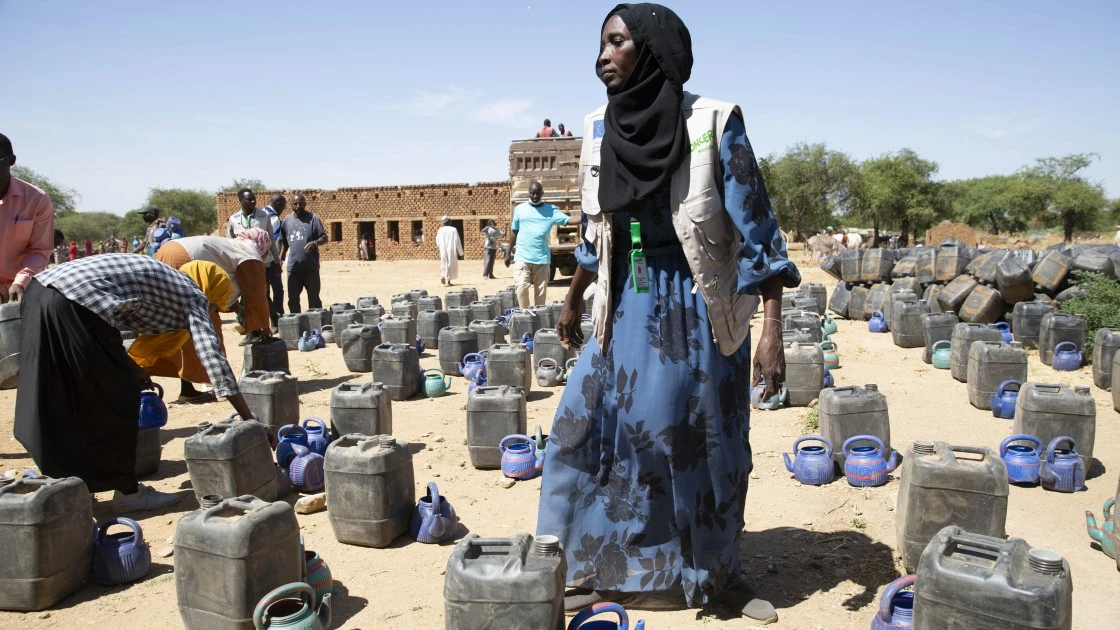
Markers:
<point>367,233</point>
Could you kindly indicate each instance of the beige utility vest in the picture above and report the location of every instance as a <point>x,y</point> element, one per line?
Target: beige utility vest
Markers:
<point>710,241</point>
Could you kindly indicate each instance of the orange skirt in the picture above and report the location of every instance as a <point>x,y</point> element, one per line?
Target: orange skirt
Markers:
<point>185,363</point>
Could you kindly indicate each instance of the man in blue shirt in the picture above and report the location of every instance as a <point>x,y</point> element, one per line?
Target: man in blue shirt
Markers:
<point>302,234</point>
<point>532,224</point>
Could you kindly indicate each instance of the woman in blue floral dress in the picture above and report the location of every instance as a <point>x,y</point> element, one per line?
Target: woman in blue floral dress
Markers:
<point>646,475</point>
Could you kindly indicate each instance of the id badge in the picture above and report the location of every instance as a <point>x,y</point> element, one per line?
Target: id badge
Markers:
<point>639,272</point>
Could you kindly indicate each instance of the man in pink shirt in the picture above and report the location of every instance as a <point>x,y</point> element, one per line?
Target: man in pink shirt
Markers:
<point>26,228</point>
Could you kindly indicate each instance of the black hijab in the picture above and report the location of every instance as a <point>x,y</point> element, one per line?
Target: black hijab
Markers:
<point>645,136</point>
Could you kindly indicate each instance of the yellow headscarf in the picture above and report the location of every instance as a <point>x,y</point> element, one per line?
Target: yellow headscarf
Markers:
<point>215,285</point>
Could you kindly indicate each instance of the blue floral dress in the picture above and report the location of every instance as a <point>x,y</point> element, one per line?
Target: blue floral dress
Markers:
<point>645,479</point>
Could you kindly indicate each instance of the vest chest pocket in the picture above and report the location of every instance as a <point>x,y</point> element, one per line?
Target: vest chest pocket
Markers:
<point>589,187</point>
<point>711,224</point>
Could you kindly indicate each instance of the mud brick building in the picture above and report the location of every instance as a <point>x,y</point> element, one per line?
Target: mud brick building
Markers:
<point>402,219</point>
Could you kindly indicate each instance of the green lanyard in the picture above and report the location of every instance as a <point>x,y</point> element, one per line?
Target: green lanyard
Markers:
<point>638,270</point>
<point>246,220</point>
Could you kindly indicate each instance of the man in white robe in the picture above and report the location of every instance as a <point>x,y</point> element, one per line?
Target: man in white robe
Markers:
<point>450,248</point>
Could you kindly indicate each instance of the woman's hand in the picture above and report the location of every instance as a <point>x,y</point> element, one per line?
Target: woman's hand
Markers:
<point>568,325</point>
<point>770,355</point>
<point>770,359</point>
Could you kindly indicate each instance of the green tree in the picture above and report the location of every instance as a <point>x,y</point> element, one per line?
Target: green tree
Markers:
<point>245,182</point>
<point>96,226</point>
<point>1072,201</point>
<point>897,190</point>
<point>808,185</point>
<point>197,209</point>
<point>997,203</point>
<point>64,200</point>
<point>1114,210</point>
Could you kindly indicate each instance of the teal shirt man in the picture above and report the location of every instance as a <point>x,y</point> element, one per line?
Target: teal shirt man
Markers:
<point>532,224</point>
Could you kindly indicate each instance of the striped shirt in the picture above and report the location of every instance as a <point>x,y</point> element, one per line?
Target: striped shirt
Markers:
<point>133,292</point>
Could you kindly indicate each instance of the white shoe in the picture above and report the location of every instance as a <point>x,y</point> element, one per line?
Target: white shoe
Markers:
<point>143,500</point>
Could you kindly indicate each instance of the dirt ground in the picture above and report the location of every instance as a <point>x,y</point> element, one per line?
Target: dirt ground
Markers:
<point>820,554</point>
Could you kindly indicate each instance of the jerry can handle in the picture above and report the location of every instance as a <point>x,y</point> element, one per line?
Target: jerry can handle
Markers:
<point>104,526</point>
<point>863,438</point>
<point>599,609</point>
<point>974,450</point>
<point>514,545</point>
<point>305,592</point>
<point>814,438</point>
<point>518,436</point>
<point>977,541</point>
<point>1019,437</point>
<point>243,502</point>
<point>888,594</point>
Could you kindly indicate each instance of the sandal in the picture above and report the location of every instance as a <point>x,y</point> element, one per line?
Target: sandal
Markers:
<point>197,399</point>
<point>742,598</point>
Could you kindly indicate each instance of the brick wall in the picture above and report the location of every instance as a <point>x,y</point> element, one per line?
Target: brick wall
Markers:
<point>395,211</point>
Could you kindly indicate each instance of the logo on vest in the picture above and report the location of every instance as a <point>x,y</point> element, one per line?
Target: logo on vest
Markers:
<point>599,128</point>
<point>704,142</point>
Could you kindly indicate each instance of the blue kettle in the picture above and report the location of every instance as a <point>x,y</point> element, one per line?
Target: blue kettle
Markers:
<point>1003,401</point>
<point>1005,329</point>
<point>877,324</point>
<point>583,621</point>
<point>153,413</point>
<point>288,437</point>
<point>1067,357</point>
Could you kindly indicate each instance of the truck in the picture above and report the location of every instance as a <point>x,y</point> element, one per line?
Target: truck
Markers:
<point>554,162</point>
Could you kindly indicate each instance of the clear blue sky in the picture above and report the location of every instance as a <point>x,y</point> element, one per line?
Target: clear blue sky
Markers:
<point>114,97</point>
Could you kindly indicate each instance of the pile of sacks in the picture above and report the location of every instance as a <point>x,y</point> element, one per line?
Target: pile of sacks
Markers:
<point>980,286</point>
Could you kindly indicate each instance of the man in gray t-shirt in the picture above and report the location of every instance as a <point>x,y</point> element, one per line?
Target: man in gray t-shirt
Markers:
<point>303,233</point>
<point>491,234</point>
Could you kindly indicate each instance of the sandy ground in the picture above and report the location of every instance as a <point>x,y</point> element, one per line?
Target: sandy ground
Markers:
<point>821,554</point>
